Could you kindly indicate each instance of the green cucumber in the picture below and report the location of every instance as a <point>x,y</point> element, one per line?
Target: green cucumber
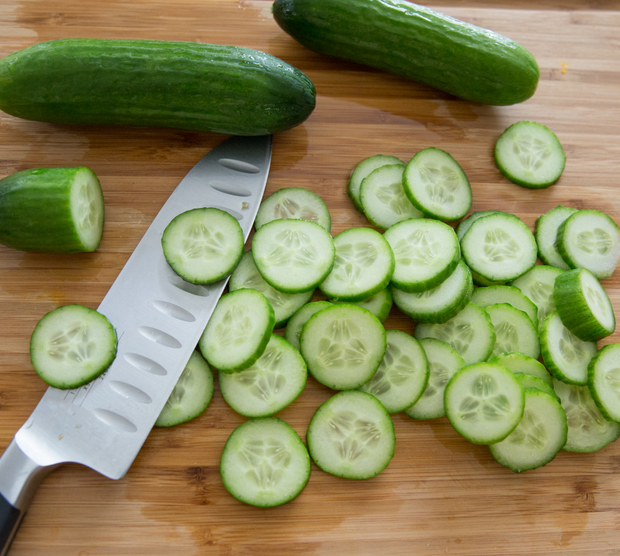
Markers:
<point>413,41</point>
<point>51,210</point>
<point>203,87</point>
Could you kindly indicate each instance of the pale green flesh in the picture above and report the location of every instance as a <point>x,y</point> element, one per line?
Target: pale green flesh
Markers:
<point>604,381</point>
<point>383,199</point>
<point>533,382</point>
<point>191,394</point>
<point>588,430</point>
<point>443,362</point>
<point>274,381</point>
<point>519,363</point>
<point>490,295</point>
<point>465,224</point>
<point>265,463</point>
<point>284,304</point>
<point>514,331</point>
<point>87,208</point>
<point>294,202</point>
<point>546,235</point>
<point>363,169</point>
<point>537,285</point>
<point>402,375</point>
<point>297,321</point>
<point>598,301</point>
<point>484,402</point>
<point>351,436</point>
<point>540,435</point>
<point>379,304</point>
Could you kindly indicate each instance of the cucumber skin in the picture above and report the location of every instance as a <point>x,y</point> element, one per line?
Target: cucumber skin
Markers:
<point>413,41</point>
<point>202,87</point>
<point>35,213</point>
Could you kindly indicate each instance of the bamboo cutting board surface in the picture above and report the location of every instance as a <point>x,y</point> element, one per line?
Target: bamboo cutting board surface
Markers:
<point>440,494</point>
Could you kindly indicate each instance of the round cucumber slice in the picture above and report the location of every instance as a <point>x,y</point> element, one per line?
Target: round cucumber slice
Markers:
<point>351,436</point>
<point>203,245</point>
<point>238,331</point>
<point>435,184</point>
<point>590,239</point>
<point>383,199</point>
<point>265,463</point>
<point>533,382</point>
<point>499,247</point>
<point>588,430</point>
<point>343,346</point>
<point>363,265</point>
<point>362,170</point>
<point>293,328</point>
<point>490,295</point>
<point>538,285</point>
<point>273,382</point>
<point>604,381</point>
<point>443,363</point>
<point>293,256</point>
<point>546,233</point>
<point>484,402</point>
<point>402,375</point>
<point>514,330</point>
<point>71,345</point>
<point>539,436</point>
<point>191,394</point>
<point>566,356</point>
<point>426,253</point>
<point>466,223</point>
<point>470,333</point>
<point>284,305</point>
<point>519,364</point>
<point>441,303</point>
<point>583,305</point>
<point>296,203</point>
<point>530,155</point>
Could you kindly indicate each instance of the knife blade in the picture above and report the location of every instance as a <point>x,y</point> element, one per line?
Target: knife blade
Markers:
<point>159,319</point>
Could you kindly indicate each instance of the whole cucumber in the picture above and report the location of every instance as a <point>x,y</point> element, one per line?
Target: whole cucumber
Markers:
<point>413,41</point>
<point>195,86</point>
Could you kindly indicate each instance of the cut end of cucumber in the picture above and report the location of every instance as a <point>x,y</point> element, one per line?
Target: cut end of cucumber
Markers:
<point>87,208</point>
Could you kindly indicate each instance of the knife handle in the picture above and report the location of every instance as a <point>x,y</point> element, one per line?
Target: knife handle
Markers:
<point>19,478</point>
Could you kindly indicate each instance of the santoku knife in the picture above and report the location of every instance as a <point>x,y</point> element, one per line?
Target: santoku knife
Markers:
<point>159,319</point>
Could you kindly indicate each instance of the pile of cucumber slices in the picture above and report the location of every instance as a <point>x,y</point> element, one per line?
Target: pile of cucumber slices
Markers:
<point>505,348</point>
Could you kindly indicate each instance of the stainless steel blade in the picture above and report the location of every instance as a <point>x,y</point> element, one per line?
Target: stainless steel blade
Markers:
<point>159,319</point>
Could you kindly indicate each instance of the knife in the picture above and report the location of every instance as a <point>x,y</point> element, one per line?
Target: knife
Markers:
<point>159,319</point>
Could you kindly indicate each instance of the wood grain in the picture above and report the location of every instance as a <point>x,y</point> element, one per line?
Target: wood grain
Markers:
<point>440,494</point>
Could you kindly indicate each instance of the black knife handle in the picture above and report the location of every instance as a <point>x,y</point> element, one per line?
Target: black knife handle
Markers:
<point>10,520</point>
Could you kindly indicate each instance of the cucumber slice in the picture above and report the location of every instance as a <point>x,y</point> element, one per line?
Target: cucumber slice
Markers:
<point>402,375</point>
<point>566,356</point>
<point>273,382</point>
<point>514,330</point>
<point>538,285</point>
<point>362,170</point>
<point>383,199</point>
<point>238,331</point>
<point>203,245</point>
<point>343,346</point>
<point>265,463</point>
<point>293,256</point>
<point>603,373</point>
<point>530,155</point>
<point>583,305</point>
<point>499,247</point>
<point>71,345</point>
<point>284,305</point>
<point>363,265</point>
<point>490,295</point>
<point>436,184</point>
<point>351,436</point>
<point>379,304</point>
<point>538,438</point>
<point>484,402</point>
<point>588,430</point>
<point>426,253</point>
<point>443,363</point>
<point>466,223</point>
<point>590,239</point>
<point>293,328</point>
<point>52,210</point>
<point>533,382</point>
<point>191,394</point>
<point>441,303</point>
<point>296,203</point>
<point>519,364</point>
<point>546,233</point>
<point>470,333</point>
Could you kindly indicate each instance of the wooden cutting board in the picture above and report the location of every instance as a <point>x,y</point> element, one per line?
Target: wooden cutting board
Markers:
<point>440,494</point>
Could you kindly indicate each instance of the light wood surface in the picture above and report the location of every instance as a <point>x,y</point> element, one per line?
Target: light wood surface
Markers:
<point>440,494</point>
